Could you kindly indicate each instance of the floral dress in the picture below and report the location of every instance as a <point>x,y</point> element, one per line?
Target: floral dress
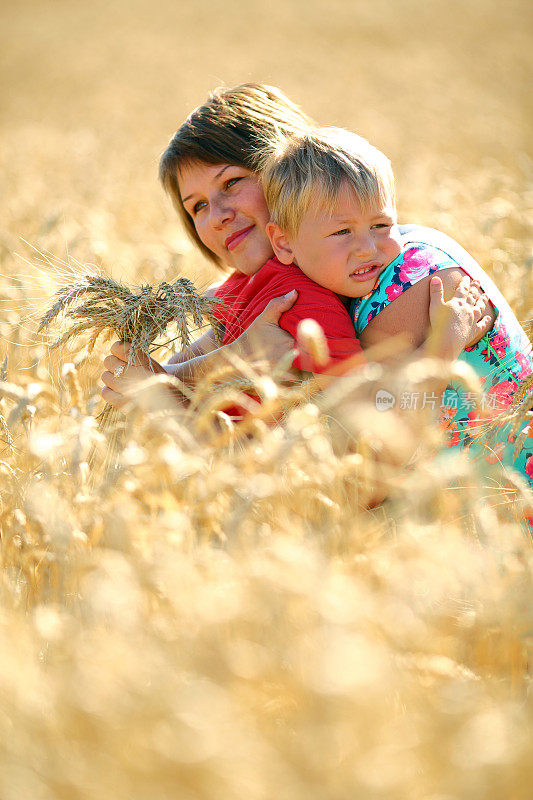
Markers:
<point>502,359</point>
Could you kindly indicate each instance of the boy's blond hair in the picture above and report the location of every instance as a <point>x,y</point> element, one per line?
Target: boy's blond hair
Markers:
<point>308,170</point>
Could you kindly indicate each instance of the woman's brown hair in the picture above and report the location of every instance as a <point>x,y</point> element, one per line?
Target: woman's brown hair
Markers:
<point>231,127</point>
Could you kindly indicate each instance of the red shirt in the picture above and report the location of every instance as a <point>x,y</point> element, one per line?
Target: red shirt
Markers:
<point>245,298</point>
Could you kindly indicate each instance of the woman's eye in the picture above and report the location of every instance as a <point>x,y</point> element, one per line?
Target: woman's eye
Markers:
<point>198,206</point>
<point>231,181</point>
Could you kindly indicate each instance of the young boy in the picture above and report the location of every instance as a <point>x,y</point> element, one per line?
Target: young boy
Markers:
<point>331,199</point>
<point>333,230</point>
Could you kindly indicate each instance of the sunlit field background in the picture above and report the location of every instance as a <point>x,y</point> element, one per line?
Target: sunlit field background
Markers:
<point>217,618</point>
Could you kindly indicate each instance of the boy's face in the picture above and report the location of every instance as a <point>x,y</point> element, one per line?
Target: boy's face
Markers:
<point>344,251</point>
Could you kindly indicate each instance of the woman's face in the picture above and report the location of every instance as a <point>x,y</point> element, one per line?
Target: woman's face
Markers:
<point>227,206</point>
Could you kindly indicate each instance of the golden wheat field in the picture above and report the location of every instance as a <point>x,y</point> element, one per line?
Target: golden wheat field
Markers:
<point>216,617</point>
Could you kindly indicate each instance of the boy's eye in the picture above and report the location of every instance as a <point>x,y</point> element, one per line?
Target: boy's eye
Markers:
<point>342,232</point>
<point>383,225</point>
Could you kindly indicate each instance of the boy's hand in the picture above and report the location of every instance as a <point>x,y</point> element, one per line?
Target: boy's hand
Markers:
<point>460,322</point>
<point>119,379</point>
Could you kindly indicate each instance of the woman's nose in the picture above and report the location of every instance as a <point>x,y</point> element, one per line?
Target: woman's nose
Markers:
<point>220,212</point>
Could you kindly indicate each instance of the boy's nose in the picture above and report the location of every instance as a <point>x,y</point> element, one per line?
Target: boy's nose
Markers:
<point>220,213</point>
<point>365,246</point>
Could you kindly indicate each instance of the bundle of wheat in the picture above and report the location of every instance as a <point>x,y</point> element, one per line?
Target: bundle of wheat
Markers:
<point>101,307</point>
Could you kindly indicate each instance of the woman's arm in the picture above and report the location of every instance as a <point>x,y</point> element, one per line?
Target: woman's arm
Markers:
<point>205,344</point>
<point>264,340</point>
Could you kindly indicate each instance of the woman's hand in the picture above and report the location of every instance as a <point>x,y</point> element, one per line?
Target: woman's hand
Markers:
<point>461,321</point>
<point>120,380</point>
<point>264,340</point>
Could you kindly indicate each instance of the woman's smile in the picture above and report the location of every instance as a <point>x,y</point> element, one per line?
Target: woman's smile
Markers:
<point>236,238</point>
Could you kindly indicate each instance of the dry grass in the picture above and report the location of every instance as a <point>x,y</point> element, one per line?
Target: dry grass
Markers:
<point>218,617</point>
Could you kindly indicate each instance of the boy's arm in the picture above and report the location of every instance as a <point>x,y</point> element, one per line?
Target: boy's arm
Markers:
<point>456,323</point>
<point>409,316</point>
<point>450,326</point>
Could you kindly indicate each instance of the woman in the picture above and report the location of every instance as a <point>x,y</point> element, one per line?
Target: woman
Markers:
<point>210,171</point>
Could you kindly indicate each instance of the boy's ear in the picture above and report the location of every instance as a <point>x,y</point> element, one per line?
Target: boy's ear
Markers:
<point>280,243</point>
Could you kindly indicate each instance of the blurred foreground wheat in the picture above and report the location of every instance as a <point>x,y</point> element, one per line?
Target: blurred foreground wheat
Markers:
<point>222,615</point>
<point>219,618</point>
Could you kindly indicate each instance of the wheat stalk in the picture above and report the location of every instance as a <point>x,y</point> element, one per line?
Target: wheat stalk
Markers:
<point>97,306</point>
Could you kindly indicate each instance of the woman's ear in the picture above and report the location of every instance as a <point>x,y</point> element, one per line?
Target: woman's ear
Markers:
<point>280,243</point>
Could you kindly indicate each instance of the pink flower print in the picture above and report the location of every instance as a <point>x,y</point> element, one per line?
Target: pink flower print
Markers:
<point>525,367</point>
<point>475,424</point>
<point>529,467</point>
<point>454,436</point>
<point>417,264</point>
<point>500,395</point>
<point>393,291</point>
<point>446,415</point>
<point>495,455</point>
<point>499,343</point>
